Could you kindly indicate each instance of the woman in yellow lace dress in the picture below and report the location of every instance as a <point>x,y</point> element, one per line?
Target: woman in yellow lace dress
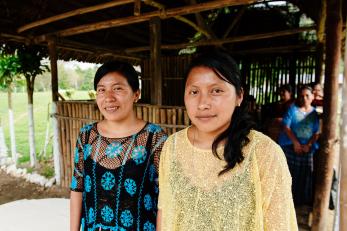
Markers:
<point>219,173</point>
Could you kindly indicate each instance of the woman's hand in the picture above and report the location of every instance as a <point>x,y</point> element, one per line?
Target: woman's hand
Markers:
<point>298,148</point>
<point>306,148</point>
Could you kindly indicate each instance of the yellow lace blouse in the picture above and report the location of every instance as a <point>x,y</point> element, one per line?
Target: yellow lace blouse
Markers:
<point>255,195</point>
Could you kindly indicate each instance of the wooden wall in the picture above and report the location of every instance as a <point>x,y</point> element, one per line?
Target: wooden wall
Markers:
<point>73,115</point>
<point>263,75</point>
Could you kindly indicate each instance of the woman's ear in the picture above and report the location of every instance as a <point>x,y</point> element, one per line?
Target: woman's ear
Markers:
<point>137,96</point>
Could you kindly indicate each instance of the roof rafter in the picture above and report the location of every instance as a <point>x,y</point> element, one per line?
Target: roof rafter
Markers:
<point>72,13</point>
<point>226,40</point>
<point>146,16</point>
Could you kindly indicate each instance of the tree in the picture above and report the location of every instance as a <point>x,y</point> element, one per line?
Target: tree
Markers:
<point>30,58</point>
<point>9,65</point>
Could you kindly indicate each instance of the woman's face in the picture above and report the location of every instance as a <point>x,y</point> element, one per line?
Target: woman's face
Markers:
<point>114,97</point>
<point>285,95</point>
<point>317,91</point>
<point>209,100</point>
<point>306,97</point>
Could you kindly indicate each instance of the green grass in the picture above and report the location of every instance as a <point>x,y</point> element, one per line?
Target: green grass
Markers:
<point>20,110</point>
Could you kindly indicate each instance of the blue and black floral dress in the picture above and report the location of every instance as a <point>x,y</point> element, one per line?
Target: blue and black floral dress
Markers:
<point>118,178</point>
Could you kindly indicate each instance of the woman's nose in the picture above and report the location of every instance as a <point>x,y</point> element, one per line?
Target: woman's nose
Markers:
<point>109,96</point>
<point>204,102</point>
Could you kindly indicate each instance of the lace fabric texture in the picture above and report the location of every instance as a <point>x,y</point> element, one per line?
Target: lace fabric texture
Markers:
<point>117,178</point>
<point>255,195</point>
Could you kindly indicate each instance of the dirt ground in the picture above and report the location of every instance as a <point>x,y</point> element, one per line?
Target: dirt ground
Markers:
<point>13,188</point>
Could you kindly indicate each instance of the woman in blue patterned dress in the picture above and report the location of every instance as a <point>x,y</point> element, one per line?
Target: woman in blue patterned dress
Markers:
<point>299,143</point>
<point>114,183</point>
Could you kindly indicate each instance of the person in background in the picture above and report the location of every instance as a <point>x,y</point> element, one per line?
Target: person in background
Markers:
<point>114,184</point>
<point>274,112</point>
<point>299,143</point>
<point>318,93</point>
<point>219,173</point>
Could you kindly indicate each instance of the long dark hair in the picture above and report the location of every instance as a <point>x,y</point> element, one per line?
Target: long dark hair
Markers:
<point>241,123</point>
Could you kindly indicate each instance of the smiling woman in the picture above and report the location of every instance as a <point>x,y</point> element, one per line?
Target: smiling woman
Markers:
<point>114,184</point>
<point>219,173</point>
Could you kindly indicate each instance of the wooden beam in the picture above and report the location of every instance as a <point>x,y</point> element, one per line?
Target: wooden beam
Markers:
<point>54,68</point>
<point>86,48</point>
<point>156,76</point>
<point>179,18</point>
<point>227,40</point>
<point>326,155</point>
<point>147,16</point>
<point>137,7</point>
<point>343,149</point>
<point>235,21</point>
<point>72,13</point>
<point>321,42</point>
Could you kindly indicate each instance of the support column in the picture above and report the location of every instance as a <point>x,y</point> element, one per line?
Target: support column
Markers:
<point>54,82</point>
<point>329,139</point>
<point>156,76</point>
<point>321,42</point>
<point>343,150</point>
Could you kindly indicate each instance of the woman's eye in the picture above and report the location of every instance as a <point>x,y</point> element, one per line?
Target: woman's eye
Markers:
<point>193,92</point>
<point>117,89</point>
<point>217,91</point>
<point>100,91</point>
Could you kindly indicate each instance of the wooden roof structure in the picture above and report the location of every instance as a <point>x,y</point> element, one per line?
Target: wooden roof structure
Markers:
<point>98,30</point>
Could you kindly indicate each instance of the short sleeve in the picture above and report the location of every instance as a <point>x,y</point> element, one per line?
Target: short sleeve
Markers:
<point>287,117</point>
<point>81,149</point>
<point>159,137</point>
<point>278,206</point>
<point>163,175</point>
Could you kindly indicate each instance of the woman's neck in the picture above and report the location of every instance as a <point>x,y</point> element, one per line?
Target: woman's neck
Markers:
<point>306,108</point>
<point>118,129</point>
<point>200,139</point>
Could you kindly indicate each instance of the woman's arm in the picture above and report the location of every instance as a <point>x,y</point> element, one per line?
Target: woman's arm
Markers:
<point>159,220</point>
<point>292,137</point>
<point>75,210</point>
<point>277,201</point>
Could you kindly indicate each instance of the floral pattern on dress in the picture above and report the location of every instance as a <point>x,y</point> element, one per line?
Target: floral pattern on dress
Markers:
<point>148,226</point>
<point>87,150</point>
<point>91,215</point>
<point>76,159</point>
<point>107,181</point>
<point>130,186</point>
<point>114,150</point>
<point>87,183</point>
<point>73,182</point>
<point>153,128</point>
<point>107,214</point>
<point>127,218</point>
<point>139,154</point>
<point>86,128</point>
<point>147,202</point>
<point>152,173</point>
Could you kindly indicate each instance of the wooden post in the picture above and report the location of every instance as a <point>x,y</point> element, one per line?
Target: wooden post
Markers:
<point>155,43</point>
<point>321,42</point>
<point>343,151</point>
<point>328,144</point>
<point>54,81</point>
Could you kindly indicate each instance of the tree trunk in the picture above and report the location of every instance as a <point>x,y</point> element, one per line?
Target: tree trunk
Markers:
<point>3,147</point>
<point>30,92</point>
<point>11,124</point>
<point>329,138</point>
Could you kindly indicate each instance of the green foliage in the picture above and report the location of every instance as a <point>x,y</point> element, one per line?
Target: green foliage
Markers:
<point>9,66</point>
<point>30,60</point>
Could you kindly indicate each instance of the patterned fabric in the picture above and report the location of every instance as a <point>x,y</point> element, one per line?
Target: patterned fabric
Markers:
<point>303,125</point>
<point>118,178</point>
<point>301,170</point>
<point>255,195</point>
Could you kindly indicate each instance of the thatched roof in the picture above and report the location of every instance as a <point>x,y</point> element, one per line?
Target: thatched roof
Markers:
<point>118,29</point>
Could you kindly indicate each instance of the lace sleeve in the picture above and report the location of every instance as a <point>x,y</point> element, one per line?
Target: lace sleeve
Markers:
<point>278,207</point>
<point>77,176</point>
